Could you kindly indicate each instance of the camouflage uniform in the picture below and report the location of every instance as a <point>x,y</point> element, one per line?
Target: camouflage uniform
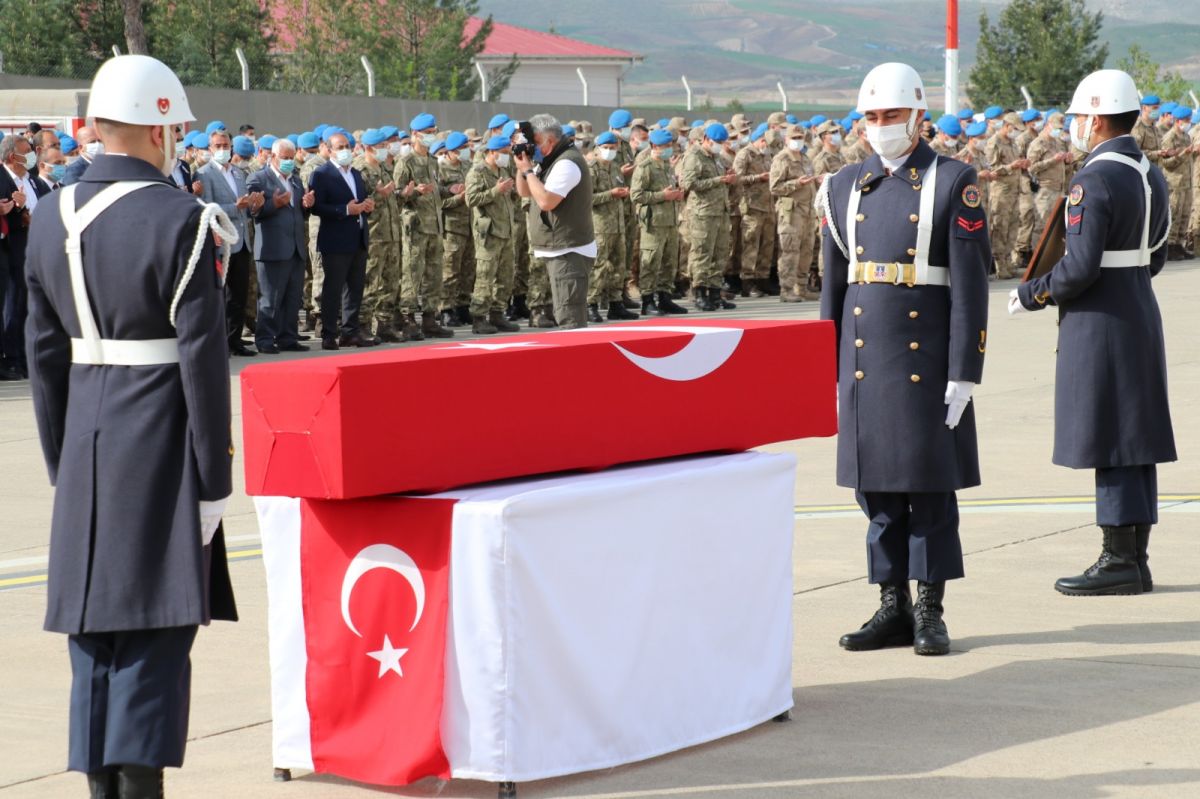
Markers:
<point>608,220</point>
<point>492,226</point>
<point>827,163</point>
<point>758,215</point>
<point>658,219</point>
<point>420,214</point>
<point>458,247</point>
<point>1003,199</point>
<point>794,206</point>
<point>1177,169</point>
<point>1148,138</point>
<point>1026,212</point>
<point>383,251</point>
<point>1051,175</point>
<point>708,216</point>
<point>316,274</point>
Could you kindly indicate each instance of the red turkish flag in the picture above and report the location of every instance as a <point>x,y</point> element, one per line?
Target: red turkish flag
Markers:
<point>375,574</point>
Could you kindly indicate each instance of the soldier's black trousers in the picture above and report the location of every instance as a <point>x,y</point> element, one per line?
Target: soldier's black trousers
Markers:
<point>912,536</point>
<point>130,693</point>
<point>1127,495</point>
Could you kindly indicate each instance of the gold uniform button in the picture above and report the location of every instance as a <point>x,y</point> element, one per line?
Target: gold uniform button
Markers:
<point>913,314</point>
<point>859,375</point>
<point>915,378</point>
<point>861,217</point>
<point>914,345</point>
<point>857,311</point>
<point>911,251</point>
<point>859,249</point>
<point>913,217</point>
<point>858,342</point>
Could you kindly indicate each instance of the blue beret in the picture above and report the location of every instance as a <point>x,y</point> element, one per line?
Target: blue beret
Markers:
<point>1030,114</point>
<point>373,136</point>
<point>294,138</point>
<point>510,127</point>
<point>660,137</point>
<point>818,119</point>
<point>1151,99</point>
<point>847,123</point>
<point>992,112</point>
<point>619,118</point>
<point>927,116</point>
<point>965,114</point>
<point>214,126</point>
<point>791,119</point>
<point>308,140</point>
<point>1182,112</point>
<point>498,121</point>
<point>1052,111</point>
<point>716,132</point>
<point>422,122</point>
<point>568,131</point>
<point>607,137</point>
<point>806,124</point>
<point>243,146</point>
<point>1196,115</point>
<point>330,132</point>
<point>760,130</point>
<point>456,141</point>
<point>265,142</point>
<point>389,131</point>
<point>498,142</point>
<point>949,125</point>
<point>697,123</point>
<point>197,138</point>
<point>1167,108</point>
<point>349,137</point>
<point>437,147</point>
<point>402,134</point>
<point>756,135</point>
<point>854,116</point>
<point>320,129</point>
<point>67,144</point>
<point>977,129</point>
<point>664,122</point>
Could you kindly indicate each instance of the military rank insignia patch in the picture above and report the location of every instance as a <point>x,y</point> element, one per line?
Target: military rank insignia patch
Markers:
<point>1075,221</point>
<point>971,196</point>
<point>1076,194</point>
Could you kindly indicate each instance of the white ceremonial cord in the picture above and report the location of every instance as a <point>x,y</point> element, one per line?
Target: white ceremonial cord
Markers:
<point>1166,235</point>
<point>823,202</point>
<point>213,217</point>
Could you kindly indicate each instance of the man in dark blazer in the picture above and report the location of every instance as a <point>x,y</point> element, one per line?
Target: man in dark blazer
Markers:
<point>342,203</point>
<point>18,183</point>
<point>89,148</point>
<point>906,260</point>
<point>225,185</point>
<point>1111,411</point>
<point>131,393</point>
<point>279,250</point>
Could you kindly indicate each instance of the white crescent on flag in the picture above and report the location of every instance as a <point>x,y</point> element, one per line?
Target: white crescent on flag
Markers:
<point>382,556</point>
<point>708,350</point>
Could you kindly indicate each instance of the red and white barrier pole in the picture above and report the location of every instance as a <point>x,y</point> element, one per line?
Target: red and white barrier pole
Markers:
<point>951,56</point>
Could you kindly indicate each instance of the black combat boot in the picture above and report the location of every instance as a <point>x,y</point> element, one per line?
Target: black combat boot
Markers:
<point>617,312</point>
<point>483,326</point>
<point>102,784</point>
<point>448,318</point>
<point>929,631</point>
<point>650,305</point>
<point>593,314</point>
<point>668,305</point>
<point>140,782</point>
<point>1116,571</point>
<point>720,303</point>
<point>1142,538</point>
<point>892,624</point>
<point>431,328</point>
<point>412,330</point>
<point>629,302</point>
<point>542,318</point>
<point>517,309</point>
<point>703,303</point>
<point>498,321</point>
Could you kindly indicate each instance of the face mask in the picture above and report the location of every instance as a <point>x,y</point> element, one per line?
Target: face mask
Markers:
<point>221,156</point>
<point>502,160</point>
<point>30,161</point>
<point>715,148</point>
<point>666,153</point>
<point>381,153</point>
<point>1012,135</point>
<point>625,131</point>
<point>795,145</point>
<point>93,149</point>
<point>286,165</point>
<point>578,145</point>
<point>180,149</point>
<point>344,157</point>
<point>1080,138</point>
<point>405,149</point>
<point>836,140</point>
<point>58,172</point>
<point>643,144</point>
<point>735,145</point>
<point>428,139</point>
<point>608,155</point>
<point>441,159</point>
<point>891,141</point>
<point>394,148</point>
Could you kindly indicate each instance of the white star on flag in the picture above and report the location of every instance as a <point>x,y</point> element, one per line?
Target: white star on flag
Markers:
<point>388,657</point>
<point>492,347</point>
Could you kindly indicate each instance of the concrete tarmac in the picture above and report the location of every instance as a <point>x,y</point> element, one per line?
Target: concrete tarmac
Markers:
<point>1042,696</point>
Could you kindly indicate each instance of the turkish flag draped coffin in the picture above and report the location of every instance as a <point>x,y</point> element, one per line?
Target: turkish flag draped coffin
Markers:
<point>376,423</point>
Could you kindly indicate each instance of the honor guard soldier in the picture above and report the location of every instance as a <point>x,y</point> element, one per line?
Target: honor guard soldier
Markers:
<point>1110,400</point>
<point>906,255</point>
<point>130,373</point>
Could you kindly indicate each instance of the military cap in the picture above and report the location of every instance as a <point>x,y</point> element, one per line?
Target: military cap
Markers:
<point>308,140</point>
<point>437,147</point>
<point>847,123</point>
<point>1013,118</point>
<point>730,129</point>
<point>584,126</point>
<point>854,115</point>
<point>806,124</point>
<point>331,131</point>
<point>620,118</point>
<point>497,121</point>
<point>949,125</point>
<point>777,118</point>
<point>1182,112</point>
<point>737,120</point>
<point>389,131</point>
<point>1054,116</point>
<point>373,136</point>
<point>67,144</point>
<point>498,142</point>
<point>662,123</point>
<point>422,122</point>
<point>697,123</point>
<point>762,128</point>
<point>510,127</point>
<point>678,125</point>
<point>791,119</point>
<point>265,142</point>
<point>695,134</point>
<point>197,138</point>
<point>637,122</point>
<point>818,119</point>
<point>320,129</point>
<point>796,131</point>
<point>242,146</point>
<point>402,134</point>
<point>829,126</point>
<point>976,129</point>
<point>1030,114</point>
<point>661,136</point>
<point>993,112</point>
<point>294,138</point>
<point>214,126</point>
<point>568,131</point>
<point>456,141</point>
<point>607,137</point>
<point>965,114</point>
<point>1151,99</point>
<point>472,135</point>
<point>716,132</point>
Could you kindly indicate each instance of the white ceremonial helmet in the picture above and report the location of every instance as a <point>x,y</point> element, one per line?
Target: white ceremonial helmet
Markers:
<point>892,85</point>
<point>1108,91</point>
<point>138,90</point>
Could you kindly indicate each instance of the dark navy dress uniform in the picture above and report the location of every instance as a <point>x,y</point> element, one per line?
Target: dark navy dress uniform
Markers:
<point>1111,411</point>
<point>131,450</point>
<point>903,331</point>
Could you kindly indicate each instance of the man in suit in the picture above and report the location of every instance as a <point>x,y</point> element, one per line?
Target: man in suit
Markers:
<point>279,250</point>
<point>89,148</point>
<point>18,183</point>
<point>52,167</point>
<point>226,186</point>
<point>1111,409</point>
<point>181,172</point>
<point>341,202</point>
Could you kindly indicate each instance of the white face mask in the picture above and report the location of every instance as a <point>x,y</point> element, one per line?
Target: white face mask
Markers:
<point>836,140</point>
<point>394,148</point>
<point>95,148</point>
<point>405,149</point>
<point>892,141</point>
<point>1080,138</point>
<point>441,159</point>
<point>30,161</point>
<point>796,145</point>
<point>1013,135</point>
<point>735,144</point>
<point>221,156</point>
<point>343,157</point>
<point>502,160</point>
<point>381,153</point>
<point>715,148</point>
<point>607,154</point>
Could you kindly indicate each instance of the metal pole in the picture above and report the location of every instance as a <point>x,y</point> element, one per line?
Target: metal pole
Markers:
<point>951,56</point>
<point>1028,98</point>
<point>370,76</point>
<point>782,93</point>
<point>483,82</point>
<point>241,57</point>
<point>583,80</point>
<point>116,50</point>
<point>1192,94</point>
<point>688,89</point>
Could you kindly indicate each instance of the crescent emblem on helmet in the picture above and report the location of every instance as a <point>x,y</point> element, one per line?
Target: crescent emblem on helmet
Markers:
<point>164,105</point>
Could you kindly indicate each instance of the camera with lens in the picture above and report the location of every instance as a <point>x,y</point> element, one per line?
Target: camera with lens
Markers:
<point>526,147</point>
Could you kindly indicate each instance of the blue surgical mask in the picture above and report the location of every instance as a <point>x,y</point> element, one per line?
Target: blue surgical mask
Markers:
<point>286,165</point>
<point>666,153</point>
<point>58,172</point>
<point>428,139</point>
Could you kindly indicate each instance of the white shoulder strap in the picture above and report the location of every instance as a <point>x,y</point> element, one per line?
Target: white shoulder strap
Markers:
<point>925,221</point>
<point>1140,256</point>
<point>823,196</point>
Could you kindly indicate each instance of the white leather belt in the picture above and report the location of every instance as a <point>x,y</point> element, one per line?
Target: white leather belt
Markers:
<point>110,352</point>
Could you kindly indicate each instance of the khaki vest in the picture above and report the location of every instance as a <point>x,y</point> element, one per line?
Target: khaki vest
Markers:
<point>570,224</point>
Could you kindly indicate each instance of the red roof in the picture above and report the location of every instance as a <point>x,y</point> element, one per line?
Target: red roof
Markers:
<point>507,40</point>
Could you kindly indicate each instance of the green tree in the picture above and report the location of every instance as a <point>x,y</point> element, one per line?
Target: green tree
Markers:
<point>198,40</point>
<point>59,38</point>
<point>1151,79</point>
<point>735,106</point>
<point>1044,45</point>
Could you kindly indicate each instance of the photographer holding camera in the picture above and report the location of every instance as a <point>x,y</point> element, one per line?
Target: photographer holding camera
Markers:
<point>560,214</point>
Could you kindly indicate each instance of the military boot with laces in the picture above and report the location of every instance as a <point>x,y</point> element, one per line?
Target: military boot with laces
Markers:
<point>930,636</point>
<point>1114,573</point>
<point>892,624</point>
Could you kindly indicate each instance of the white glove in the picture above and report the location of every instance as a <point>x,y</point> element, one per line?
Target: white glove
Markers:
<point>210,519</point>
<point>958,394</point>
<point>1014,304</point>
